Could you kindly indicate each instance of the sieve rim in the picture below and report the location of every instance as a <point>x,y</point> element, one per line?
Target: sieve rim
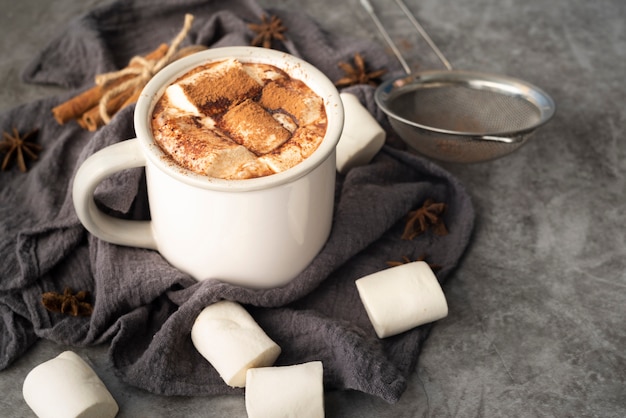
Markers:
<point>508,86</point>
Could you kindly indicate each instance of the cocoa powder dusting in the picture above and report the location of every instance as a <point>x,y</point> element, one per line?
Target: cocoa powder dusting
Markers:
<point>214,93</point>
<point>276,96</point>
<point>254,121</point>
<point>250,125</point>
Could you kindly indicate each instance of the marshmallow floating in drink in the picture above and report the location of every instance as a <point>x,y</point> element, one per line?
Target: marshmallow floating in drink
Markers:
<point>239,120</point>
<point>229,338</point>
<point>66,386</point>
<point>403,297</point>
<point>286,391</point>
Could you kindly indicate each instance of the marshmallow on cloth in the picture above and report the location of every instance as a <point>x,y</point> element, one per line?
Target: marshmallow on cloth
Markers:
<point>66,386</point>
<point>402,297</point>
<point>231,340</point>
<point>286,391</point>
<point>362,137</point>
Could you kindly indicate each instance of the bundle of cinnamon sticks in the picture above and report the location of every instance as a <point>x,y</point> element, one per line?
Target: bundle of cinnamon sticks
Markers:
<point>84,108</point>
<point>114,91</point>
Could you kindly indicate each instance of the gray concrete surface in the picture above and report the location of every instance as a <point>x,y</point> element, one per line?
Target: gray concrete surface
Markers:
<point>537,307</point>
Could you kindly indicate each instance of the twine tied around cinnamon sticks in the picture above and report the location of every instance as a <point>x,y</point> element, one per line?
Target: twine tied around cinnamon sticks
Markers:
<point>115,90</point>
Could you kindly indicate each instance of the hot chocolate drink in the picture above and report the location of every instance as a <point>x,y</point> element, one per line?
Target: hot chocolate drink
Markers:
<point>238,120</point>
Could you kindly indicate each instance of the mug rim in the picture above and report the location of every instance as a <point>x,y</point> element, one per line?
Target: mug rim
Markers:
<point>294,66</point>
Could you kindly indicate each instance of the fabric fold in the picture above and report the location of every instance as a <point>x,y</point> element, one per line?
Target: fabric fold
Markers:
<point>143,307</point>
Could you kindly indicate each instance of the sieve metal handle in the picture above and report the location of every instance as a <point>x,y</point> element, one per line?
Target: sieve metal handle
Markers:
<point>502,139</point>
<point>420,29</point>
<point>370,10</point>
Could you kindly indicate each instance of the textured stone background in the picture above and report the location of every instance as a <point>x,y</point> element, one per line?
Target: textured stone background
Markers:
<point>536,323</point>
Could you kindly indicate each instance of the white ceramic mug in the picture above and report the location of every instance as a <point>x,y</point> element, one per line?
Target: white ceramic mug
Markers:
<point>259,232</point>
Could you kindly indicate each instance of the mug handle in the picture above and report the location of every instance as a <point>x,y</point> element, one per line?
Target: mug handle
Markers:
<point>107,161</point>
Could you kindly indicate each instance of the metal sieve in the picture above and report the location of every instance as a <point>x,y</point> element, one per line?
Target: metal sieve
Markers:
<point>459,116</point>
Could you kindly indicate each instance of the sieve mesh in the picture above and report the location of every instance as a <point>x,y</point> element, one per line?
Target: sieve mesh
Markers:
<point>463,116</point>
<point>458,116</point>
<point>465,109</point>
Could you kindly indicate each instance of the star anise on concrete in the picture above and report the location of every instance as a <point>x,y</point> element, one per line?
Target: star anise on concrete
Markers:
<point>405,260</point>
<point>430,215</point>
<point>67,302</point>
<point>269,29</point>
<point>358,73</point>
<point>17,146</point>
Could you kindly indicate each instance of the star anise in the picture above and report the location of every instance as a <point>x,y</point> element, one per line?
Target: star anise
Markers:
<point>16,146</point>
<point>67,302</point>
<point>420,220</point>
<point>405,260</point>
<point>269,29</point>
<point>358,74</point>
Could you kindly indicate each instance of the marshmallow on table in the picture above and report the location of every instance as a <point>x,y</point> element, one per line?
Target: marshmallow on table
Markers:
<point>230,339</point>
<point>66,386</point>
<point>403,297</point>
<point>362,137</point>
<point>286,391</point>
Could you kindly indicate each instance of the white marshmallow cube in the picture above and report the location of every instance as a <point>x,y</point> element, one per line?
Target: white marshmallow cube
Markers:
<point>231,340</point>
<point>401,298</point>
<point>66,386</point>
<point>362,137</point>
<point>286,391</point>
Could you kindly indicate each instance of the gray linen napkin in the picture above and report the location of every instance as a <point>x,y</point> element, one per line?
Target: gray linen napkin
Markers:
<point>143,307</point>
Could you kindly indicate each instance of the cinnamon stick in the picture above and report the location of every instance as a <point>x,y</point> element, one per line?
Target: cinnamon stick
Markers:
<point>132,99</point>
<point>91,119</point>
<point>78,105</point>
